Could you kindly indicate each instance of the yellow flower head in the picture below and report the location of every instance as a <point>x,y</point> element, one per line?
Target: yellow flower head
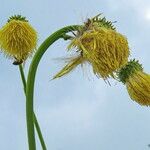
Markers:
<point>105,49</point>
<point>102,46</point>
<point>137,82</point>
<point>18,38</point>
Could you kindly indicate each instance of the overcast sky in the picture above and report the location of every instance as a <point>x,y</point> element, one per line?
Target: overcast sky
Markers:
<point>78,111</point>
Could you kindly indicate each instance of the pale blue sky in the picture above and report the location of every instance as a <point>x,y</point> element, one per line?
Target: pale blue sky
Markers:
<point>78,111</point>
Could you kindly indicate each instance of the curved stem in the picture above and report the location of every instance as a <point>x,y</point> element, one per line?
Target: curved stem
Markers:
<point>31,79</point>
<point>34,116</point>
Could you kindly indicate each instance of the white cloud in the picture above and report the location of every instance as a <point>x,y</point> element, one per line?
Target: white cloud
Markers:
<point>146,14</point>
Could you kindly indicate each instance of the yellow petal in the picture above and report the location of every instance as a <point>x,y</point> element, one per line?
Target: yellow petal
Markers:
<point>70,66</point>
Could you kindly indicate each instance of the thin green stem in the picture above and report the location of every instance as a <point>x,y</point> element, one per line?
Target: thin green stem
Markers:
<point>31,79</point>
<point>34,116</point>
<point>39,133</point>
<point>23,78</point>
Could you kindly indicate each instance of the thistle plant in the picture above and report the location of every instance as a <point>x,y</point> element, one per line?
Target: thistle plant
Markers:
<point>96,42</point>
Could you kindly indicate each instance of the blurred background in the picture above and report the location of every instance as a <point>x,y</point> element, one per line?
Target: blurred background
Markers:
<point>78,111</point>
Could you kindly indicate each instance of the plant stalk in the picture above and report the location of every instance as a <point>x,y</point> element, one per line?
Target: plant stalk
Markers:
<point>31,79</point>
<point>34,116</point>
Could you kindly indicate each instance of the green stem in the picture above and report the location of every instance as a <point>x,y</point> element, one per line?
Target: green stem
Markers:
<point>34,116</point>
<point>23,78</point>
<point>39,132</point>
<point>31,79</point>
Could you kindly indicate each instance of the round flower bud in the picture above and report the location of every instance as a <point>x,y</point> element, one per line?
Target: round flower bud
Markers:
<point>18,39</point>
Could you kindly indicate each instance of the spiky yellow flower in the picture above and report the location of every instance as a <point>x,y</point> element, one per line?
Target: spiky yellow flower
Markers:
<point>18,38</point>
<point>102,46</point>
<point>137,82</point>
<point>105,49</point>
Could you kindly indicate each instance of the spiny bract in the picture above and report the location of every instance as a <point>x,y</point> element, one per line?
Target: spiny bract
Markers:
<point>18,38</point>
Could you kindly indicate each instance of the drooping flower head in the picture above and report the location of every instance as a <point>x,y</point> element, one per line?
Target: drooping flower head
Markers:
<point>18,38</point>
<point>98,43</point>
<point>136,81</point>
